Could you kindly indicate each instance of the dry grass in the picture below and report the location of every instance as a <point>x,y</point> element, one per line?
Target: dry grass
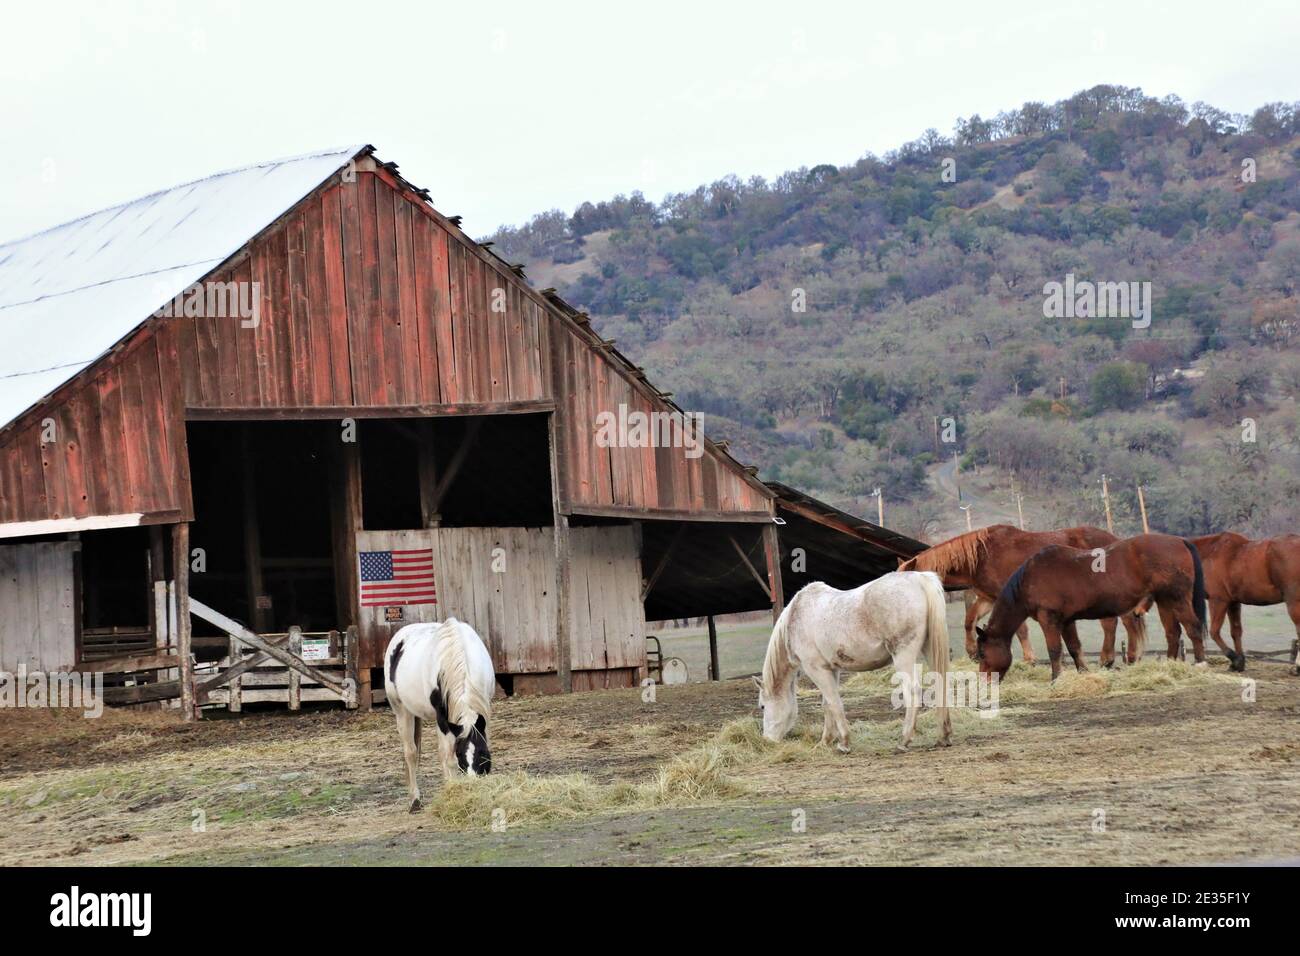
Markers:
<point>125,788</point>
<point>736,762</point>
<point>125,743</point>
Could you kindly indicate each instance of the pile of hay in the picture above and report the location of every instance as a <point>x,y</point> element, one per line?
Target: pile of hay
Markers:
<point>698,776</point>
<point>705,774</point>
<point>1031,683</point>
<point>1026,683</point>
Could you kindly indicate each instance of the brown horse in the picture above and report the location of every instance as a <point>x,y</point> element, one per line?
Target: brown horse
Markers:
<point>1241,571</point>
<point>983,560</point>
<point>1060,585</point>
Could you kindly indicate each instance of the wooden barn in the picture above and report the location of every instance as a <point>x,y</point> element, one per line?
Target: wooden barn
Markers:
<point>271,416</point>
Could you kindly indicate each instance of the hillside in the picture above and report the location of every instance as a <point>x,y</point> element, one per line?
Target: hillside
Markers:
<point>828,322</point>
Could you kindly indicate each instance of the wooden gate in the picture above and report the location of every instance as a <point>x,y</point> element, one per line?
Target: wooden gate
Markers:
<point>282,652</point>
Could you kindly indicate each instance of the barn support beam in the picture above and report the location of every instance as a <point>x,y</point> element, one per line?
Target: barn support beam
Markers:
<point>563,575</point>
<point>563,571</point>
<point>157,560</point>
<point>430,516</point>
<point>714,672</point>
<point>340,412</point>
<point>160,613</point>
<point>765,584</point>
<point>255,581</point>
<point>772,549</point>
<point>346,521</point>
<point>181,576</point>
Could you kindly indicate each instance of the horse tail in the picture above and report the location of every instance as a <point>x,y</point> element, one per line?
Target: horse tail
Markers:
<point>936,644</point>
<point>1198,586</point>
<point>1139,632</point>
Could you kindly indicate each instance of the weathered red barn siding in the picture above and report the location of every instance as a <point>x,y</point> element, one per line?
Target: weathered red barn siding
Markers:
<point>367,301</point>
<point>610,479</point>
<point>120,445</point>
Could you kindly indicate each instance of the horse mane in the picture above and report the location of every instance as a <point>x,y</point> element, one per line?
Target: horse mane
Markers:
<point>776,662</point>
<point>961,553</point>
<point>1011,590</point>
<point>464,701</point>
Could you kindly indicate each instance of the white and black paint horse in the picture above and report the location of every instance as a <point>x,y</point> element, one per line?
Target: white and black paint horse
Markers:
<point>443,673</point>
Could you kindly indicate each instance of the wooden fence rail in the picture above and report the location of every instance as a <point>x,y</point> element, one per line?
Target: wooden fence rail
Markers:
<point>346,688</point>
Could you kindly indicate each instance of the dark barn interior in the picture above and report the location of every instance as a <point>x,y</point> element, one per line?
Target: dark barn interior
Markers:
<point>263,492</point>
<point>714,569</point>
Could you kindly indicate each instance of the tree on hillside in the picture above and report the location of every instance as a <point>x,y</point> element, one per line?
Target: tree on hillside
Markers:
<point>1117,385</point>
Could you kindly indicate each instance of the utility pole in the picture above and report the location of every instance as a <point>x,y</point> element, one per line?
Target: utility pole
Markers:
<point>1105,497</point>
<point>1142,503</point>
<point>1020,509</point>
<point>1062,388</point>
<point>878,494</point>
<point>966,508</point>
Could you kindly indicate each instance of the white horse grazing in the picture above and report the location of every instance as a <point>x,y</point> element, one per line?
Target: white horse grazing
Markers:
<point>441,672</point>
<point>823,631</point>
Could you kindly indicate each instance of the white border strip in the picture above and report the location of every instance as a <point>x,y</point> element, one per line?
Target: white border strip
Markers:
<point>23,529</point>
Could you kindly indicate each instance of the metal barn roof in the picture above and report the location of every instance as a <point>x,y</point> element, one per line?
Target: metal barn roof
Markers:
<point>70,293</point>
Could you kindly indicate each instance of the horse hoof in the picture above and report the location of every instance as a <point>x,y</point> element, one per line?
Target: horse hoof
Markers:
<point>1109,665</point>
<point>1238,662</point>
<point>900,749</point>
<point>416,806</point>
<point>843,748</point>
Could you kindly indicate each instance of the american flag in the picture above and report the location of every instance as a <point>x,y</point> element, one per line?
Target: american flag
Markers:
<point>391,578</point>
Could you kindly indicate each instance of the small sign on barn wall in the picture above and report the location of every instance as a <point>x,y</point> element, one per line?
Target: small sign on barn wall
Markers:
<point>390,579</point>
<point>393,615</point>
<point>315,648</point>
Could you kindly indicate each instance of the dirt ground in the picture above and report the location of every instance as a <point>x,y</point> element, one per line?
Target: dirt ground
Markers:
<point>1192,772</point>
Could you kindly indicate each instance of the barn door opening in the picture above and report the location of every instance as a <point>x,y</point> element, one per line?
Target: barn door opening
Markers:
<point>262,522</point>
<point>455,471</point>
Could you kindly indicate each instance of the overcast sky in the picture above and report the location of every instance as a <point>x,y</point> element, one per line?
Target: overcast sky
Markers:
<point>506,109</point>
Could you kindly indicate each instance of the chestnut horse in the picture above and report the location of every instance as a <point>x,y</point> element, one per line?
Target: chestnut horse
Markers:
<point>1241,571</point>
<point>1060,585</point>
<point>983,560</point>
